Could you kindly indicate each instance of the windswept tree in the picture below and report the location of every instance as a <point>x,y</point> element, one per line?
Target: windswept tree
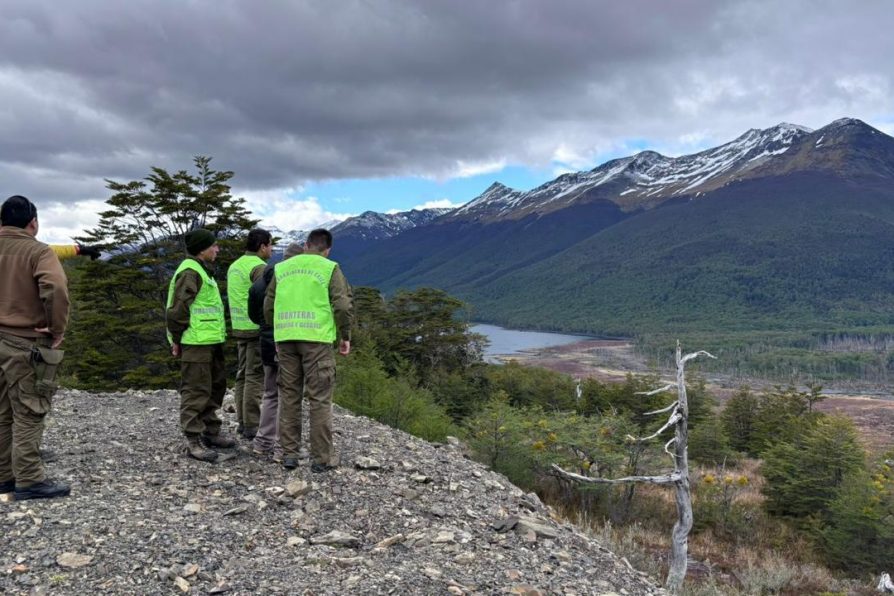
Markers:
<point>679,477</point>
<point>118,329</point>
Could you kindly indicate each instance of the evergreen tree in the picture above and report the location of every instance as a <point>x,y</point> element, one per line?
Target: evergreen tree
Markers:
<point>118,325</point>
<point>425,328</point>
<point>738,419</point>
<point>803,475</point>
<point>858,533</point>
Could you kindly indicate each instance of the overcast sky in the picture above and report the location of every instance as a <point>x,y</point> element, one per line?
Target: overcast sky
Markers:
<point>327,108</point>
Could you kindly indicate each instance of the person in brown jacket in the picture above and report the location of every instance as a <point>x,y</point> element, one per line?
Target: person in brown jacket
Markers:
<point>34,307</point>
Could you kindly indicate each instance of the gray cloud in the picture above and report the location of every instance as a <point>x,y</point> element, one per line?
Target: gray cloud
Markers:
<point>284,93</point>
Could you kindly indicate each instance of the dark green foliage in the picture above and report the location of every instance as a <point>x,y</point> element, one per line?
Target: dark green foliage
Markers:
<point>782,415</point>
<point>365,388</point>
<point>118,331</point>
<point>708,443</point>
<point>803,474</point>
<point>738,418</point>
<point>424,329</point>
<point>461,392</point>
<point>528,386</point>
<point>858,529</point>
<point>496,436</point>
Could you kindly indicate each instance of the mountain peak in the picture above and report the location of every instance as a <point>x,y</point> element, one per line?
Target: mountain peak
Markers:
<point>792,127</point>
<point>496,187</point>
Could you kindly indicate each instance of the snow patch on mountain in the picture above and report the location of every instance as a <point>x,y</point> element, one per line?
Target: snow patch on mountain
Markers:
<point>643,178</point>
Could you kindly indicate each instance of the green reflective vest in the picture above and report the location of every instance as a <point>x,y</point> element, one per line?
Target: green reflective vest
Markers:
<point>206,313</point>
<point>238,284</point>
<point>302,311</point>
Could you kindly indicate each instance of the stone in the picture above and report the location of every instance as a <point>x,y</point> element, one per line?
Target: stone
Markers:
<point>390,541</point>
<point>420,478</point>
<point>193,508</point>
<point>220,588</point>
<point>336,538</point>
<point>236,510</point>
<point>190,570</point>
<point>347,562</point>
<point>367,463</point>
<point>537,527</point>
<point>297,488</point>
<point>295,541</point>
<point>73,560</point>
<point>504,525</point>
<point>444,537</point>
<point>275,491</point>
<point>182,584</point>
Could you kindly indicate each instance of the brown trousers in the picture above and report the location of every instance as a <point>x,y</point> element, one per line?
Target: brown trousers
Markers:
<point>306,368</point>
<point>249,382</point>
<point>202,387</point>
<point>26,394</point>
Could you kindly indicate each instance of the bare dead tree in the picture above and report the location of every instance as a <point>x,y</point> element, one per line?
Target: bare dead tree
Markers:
<point>679,477</point>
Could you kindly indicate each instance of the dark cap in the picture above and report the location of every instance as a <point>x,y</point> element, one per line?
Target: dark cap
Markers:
<point>199,240</point>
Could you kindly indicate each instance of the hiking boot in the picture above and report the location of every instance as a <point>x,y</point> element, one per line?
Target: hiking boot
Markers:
<point>321,468</point>
<point>250,432</point>
<point>277,456</point>
<point>240,429</point>
<point>196,450</point>
<point>48,489</point>
<point>290,462</point>
<point>261,453</point>
<point>7,487</point>
<point>221,441</point>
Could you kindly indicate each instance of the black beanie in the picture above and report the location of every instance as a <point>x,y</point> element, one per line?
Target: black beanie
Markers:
<point>199,240</point>
<point>17,211</point>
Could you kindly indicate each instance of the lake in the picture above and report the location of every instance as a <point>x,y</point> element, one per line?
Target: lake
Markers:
<point>505,342</point>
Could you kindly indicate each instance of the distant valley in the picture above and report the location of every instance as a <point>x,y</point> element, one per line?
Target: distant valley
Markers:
<point>782,237</point>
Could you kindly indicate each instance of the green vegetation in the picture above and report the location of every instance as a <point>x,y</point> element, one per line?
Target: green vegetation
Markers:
<point>117,328</point>
<point>771,474</point>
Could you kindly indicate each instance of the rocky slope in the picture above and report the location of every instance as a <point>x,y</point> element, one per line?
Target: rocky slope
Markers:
<point>399,516</point>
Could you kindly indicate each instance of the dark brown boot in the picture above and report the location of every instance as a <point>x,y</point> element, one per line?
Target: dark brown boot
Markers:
<point>196,450</point>
<point>220,441</point>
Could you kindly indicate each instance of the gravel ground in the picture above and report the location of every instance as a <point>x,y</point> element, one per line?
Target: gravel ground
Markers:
<point>399,516</point>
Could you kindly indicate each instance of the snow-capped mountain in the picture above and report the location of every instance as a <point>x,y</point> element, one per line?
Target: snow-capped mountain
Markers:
<point>782,230</point>
<point>370,225</point>
<point>642,180</point>
<point>286,238</point>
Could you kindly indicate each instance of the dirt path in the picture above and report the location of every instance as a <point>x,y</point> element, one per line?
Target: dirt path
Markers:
<point>872,408</point>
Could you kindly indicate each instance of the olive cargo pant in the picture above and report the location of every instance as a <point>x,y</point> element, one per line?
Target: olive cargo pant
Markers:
<point>306,368</point>
<point>202,387</point>
<point>249,382</point>
<point>26,392</point>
